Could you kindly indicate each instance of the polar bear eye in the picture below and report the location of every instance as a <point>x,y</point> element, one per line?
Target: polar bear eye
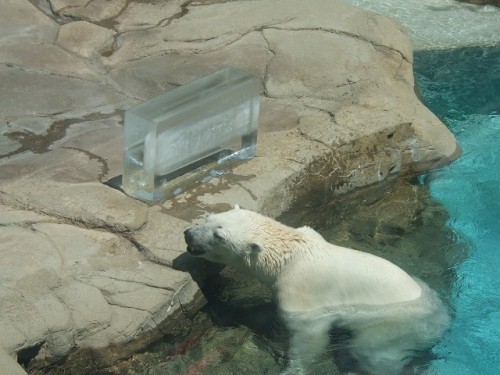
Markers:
<point>218,236</point>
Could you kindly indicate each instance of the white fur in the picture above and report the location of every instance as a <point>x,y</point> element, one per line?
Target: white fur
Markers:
<point>318,285</point>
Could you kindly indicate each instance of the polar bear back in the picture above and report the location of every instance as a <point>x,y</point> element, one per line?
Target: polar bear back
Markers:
<point>332,276</point>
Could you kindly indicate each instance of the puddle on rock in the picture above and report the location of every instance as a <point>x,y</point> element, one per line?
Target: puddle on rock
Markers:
<point>40,143</point>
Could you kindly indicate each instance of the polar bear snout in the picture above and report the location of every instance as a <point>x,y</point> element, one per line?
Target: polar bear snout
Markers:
<point>194,243</point>
<point>188,235</point>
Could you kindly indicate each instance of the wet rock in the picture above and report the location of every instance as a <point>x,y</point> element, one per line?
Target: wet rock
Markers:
<point>85,38</point>
<point>52,94</point>
<point>482,2</point>
<point>23,23</point>
<point>94,11</point>
<point>143,15</point>
<point>91,204</point>
<point>101,140</point>
<point>46,59</point>
<point>64,183</point>
<point>162,236</point>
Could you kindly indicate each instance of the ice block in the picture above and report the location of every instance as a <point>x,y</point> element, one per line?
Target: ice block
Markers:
<point>215,114</point>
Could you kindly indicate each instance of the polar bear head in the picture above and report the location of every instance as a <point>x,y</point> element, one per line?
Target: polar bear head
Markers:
<point>245,240</point>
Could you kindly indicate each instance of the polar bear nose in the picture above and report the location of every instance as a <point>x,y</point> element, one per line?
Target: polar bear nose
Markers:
<point>188,235</point>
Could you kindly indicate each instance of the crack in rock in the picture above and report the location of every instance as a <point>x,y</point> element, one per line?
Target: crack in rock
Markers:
<point>46,7</point>
<point>312,139</point>
<point>343,33</point>
<point>148,254</point>
<point>110,23</point>
<point>266,69</point>
<point>184,10</point>
<point>140,283</point>
<point>97,224</point>
<point>102,161</point>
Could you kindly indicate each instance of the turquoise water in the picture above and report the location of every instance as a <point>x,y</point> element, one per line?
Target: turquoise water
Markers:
<point>462,87</point>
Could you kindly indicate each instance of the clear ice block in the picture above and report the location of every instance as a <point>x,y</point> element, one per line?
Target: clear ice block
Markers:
<point>215,114</point>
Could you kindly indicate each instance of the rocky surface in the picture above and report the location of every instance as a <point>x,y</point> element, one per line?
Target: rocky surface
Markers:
<point>89,272</point>
<point>483,2</point>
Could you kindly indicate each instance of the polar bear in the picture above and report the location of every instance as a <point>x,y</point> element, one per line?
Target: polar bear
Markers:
<point>319,286</point>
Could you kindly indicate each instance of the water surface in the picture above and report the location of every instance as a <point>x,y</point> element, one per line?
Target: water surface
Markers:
<point>462,86</point>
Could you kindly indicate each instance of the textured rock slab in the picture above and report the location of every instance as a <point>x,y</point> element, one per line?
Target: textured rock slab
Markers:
<point>91,204</point>
<point>51,94</point>
<point>93,10</point>
<point>64,183</point>
<point>69,287</point>
<point>10,365</point>
<point>162,235</point>
<point>85,38</point>
<point>347,64</point>
<point>21,22</point>
<point>139,16</point>
<point>148,77</point>
<point>219,25</point>
<point>45,58</point>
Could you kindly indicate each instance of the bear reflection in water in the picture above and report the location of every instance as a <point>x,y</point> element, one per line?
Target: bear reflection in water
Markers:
<point>385,315</point>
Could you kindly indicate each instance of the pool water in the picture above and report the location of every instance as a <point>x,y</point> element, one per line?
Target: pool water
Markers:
<point>440,24</point>
<point>462,86</point>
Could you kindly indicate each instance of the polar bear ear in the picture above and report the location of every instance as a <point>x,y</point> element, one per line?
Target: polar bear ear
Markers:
<point>236,206</point>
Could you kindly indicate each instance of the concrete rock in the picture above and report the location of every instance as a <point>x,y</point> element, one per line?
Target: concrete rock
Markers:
<point>11,216</point>
<point>74,283</point>
<point>52,94</point>
<point>46,59</point>
<point>21,22</point>
<point>100,140</point>
<point>85,38</point>
<point>139,16</point>
<point>88,10</point>
<point>64,184</point>
<point>10,365</point>
<point>162,236</point>
<point>92,204</point>
<point>148,77</point>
